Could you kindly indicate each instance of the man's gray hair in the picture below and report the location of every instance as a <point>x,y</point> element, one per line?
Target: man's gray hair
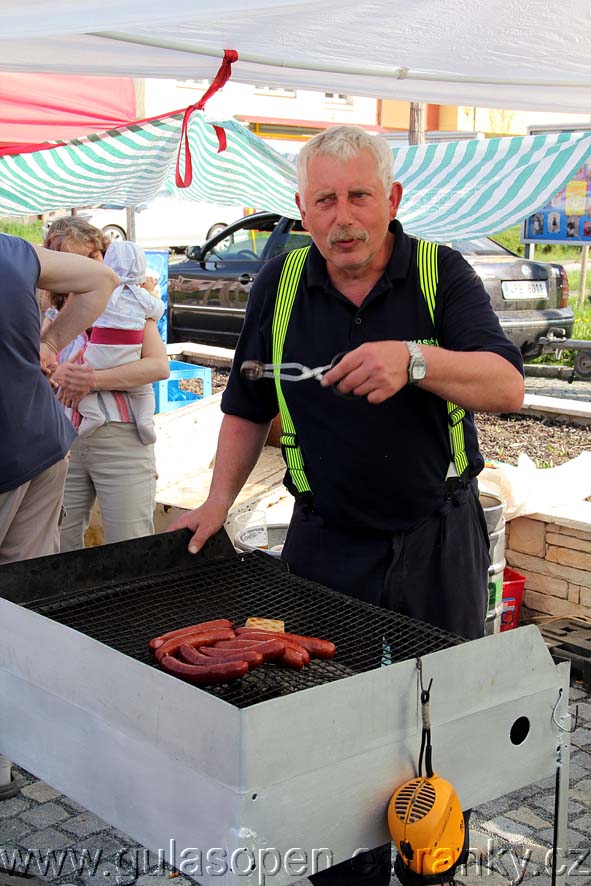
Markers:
<point>345,143</point>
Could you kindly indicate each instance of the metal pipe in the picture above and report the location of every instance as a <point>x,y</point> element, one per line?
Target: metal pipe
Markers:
<point>400,73</point>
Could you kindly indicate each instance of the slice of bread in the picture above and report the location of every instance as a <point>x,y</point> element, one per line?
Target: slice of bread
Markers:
<point>266,624</point>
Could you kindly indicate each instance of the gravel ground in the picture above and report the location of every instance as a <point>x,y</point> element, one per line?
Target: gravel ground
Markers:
<point>548,443</point>
<point>503,437</point>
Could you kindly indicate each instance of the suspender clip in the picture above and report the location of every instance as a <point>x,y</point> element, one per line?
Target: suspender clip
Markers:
<point>290,441</point>
<point>455,416</point>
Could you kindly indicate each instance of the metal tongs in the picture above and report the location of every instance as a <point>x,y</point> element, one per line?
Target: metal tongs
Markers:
<point>253,370</point>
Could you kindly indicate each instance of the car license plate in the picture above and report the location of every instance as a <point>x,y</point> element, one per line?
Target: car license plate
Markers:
<point>525,289</point>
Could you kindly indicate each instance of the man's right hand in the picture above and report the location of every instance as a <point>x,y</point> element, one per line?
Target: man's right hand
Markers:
<point>203,522</point>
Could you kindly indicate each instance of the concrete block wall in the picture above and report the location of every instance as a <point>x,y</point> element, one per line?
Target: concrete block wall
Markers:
<point>553,551</point>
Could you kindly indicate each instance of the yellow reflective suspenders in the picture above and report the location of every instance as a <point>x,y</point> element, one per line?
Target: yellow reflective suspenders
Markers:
<point>428,279</point>
<point>286,293</point>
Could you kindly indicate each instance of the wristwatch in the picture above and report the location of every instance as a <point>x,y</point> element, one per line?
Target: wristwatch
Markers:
<point>417,367</point>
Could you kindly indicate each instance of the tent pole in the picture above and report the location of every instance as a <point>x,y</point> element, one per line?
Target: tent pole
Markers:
<point>416,129</point>
<point>583,283</point>
<point>130,222</point>
<point>381,71</point>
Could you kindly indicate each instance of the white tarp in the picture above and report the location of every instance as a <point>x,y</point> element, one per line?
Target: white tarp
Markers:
<point>531,55</point>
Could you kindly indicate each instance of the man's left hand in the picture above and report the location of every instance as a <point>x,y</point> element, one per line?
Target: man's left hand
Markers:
<point>376,370</point>
<point>75,380</point>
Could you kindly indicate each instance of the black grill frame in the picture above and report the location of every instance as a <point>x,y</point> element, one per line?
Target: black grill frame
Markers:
<point>142,603</point>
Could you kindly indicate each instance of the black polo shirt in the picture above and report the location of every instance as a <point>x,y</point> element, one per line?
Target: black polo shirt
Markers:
<point>379,467</point>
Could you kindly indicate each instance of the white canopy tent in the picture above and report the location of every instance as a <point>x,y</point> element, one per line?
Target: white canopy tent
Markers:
<point>534,55</point>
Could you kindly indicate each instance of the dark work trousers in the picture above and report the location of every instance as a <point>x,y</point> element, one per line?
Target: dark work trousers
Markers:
<point>436,572</point>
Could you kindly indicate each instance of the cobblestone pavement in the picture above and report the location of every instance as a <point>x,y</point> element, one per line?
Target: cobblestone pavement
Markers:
<point>512,836</point>
<point>558,387</point>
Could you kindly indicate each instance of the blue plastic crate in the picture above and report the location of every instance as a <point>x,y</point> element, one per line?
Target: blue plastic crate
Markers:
<point>169,395</point>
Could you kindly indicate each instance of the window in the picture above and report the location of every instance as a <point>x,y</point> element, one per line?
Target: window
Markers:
<point>279,91</point>
<point>338,98</point>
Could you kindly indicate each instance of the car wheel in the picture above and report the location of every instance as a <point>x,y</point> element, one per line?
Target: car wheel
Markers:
<point>583,365</point>
<point>114,233</point>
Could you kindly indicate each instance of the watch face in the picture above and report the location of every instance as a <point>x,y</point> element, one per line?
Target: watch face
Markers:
<point>419,370</point>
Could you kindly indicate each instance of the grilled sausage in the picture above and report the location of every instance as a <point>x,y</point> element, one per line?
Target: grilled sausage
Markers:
<point>215,673</point>
<point>269,649</point>
<point>156,642</point>
<point>199,638</point>
<point>314,645</point>
<point>291,658</point>
<point>190,655</point>
<point>260,635</point>
<point>211,655</point>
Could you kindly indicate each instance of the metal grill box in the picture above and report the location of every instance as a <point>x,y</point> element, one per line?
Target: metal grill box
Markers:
<point>276,769</point>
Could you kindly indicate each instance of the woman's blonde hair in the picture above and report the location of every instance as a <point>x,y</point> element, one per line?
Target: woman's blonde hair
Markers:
<point>67,231</point>
<point>71,229</point>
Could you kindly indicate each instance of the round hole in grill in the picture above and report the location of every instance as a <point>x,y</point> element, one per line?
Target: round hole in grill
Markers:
<point>519,730</point>
<point>254,796</point>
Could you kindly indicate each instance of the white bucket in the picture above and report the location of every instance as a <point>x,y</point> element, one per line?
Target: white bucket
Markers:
<point>494,514</point>
<point>245,539</point>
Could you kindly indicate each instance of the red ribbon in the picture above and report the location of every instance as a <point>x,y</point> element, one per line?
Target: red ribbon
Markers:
<point>222,77</point>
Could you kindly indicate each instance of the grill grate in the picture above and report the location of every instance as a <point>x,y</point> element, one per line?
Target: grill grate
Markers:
<point>125,615</point>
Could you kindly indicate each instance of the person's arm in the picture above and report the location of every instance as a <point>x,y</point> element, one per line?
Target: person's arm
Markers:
<point>477,380</point>
<point>475,367</point>
<point>91,282</point>
<point>77,379</point>
<point>239,445</point>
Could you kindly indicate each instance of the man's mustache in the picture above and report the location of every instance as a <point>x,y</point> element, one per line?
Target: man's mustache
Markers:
<point>344,232</point>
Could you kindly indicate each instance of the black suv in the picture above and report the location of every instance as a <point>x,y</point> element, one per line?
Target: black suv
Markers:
<point>208,291</point>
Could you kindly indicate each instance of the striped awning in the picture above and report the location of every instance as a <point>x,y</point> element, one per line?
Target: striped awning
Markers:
<point>460,189</point>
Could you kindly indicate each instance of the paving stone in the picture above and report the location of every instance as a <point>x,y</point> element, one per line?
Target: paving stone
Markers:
<point>85,824</point>
<point>484,878</point>
<point>23,774</point>
<point>528,817</point>
<point>40,792</point>
<point>575,839</point>
<point>45,815</point>
<point>546,801</point>
<point>11,829</point>
<point>512,831</point>
<point>495,808</point>
<point>107,874</point>
<point>103,843</point>
<point>580,763</point>
<point>533,790</point>
<point>577,694</point>
<point>582,791</point>
<point>45,840</point>
<point>584,711</point>
<point>158,879</point>
<point>581,824</point>
<point>14,806</point>
<point>71,804</point>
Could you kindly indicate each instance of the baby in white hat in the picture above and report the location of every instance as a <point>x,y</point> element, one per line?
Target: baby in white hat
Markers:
<point>117,336</point>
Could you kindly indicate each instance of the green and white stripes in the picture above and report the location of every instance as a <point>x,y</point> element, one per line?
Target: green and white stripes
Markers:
<point>460,189</point>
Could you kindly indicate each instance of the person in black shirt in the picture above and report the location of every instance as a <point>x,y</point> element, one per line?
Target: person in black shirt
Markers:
<point>389,509</point>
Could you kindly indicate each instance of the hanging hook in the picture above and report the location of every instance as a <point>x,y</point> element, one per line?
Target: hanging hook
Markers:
<point>555,721</point>
<point>425,693</point>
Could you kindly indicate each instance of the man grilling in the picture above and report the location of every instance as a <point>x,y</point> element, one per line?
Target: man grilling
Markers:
<point>382,455</point>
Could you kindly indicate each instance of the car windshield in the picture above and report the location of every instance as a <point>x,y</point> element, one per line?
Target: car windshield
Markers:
<point>247,241</point>
<point>479,246</point>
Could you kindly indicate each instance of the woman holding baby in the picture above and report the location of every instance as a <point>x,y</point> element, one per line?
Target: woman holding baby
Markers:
<point>106,389</point>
